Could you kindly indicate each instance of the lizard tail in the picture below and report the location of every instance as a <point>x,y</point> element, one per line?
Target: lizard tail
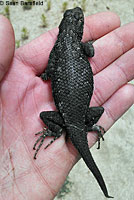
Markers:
<point>79,140</point>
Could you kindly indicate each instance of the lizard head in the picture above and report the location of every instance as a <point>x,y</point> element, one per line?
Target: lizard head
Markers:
<point>73,20</point>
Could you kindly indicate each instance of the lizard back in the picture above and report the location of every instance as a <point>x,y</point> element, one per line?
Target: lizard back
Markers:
<point>72,79</point>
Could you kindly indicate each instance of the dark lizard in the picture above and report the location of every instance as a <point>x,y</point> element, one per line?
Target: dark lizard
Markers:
<point>72,88</point>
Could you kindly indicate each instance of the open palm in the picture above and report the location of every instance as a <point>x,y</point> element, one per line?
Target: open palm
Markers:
<point>23,95</point>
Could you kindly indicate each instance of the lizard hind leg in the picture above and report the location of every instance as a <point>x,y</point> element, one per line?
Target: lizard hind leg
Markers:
<point>54,123</point>
<point>92,116</point>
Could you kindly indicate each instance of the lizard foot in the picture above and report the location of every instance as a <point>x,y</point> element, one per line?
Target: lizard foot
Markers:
<point>100,130</point>
<point>45,132</point>
<point>44,76</point>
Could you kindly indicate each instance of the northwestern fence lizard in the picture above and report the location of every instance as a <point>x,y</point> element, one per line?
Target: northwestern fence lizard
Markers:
<point>72,88</point>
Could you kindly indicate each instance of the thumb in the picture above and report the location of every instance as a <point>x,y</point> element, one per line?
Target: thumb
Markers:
<point>7,45</point>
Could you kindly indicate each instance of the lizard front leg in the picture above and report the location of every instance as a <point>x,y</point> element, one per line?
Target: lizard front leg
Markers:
<point>54,123</point>
<point>88,48</point>
<point>50,67</point>
<point>92,117</point>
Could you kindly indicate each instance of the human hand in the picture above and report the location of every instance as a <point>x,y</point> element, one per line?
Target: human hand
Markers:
<point>23,95</point>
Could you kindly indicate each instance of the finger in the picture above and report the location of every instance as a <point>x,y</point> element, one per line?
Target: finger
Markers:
<point>112,46</point>
<point>99,24</point>
<point>114,108</point>
<point>7,45</point>
<point>109,80</point>
<point>37,52</point>
<point>118,104</point>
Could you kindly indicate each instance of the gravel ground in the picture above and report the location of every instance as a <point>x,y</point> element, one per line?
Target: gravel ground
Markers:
<point>115,159</point>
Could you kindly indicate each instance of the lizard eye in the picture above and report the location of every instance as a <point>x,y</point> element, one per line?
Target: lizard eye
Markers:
<point>79,17</point>
<point>67,13</point>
